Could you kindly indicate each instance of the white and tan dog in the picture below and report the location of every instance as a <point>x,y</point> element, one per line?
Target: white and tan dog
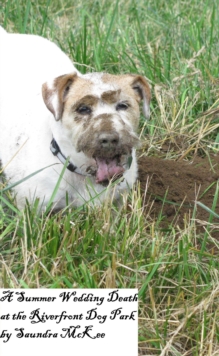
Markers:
<point>49,112</point>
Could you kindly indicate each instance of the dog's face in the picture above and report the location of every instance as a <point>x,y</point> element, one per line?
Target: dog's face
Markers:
<point>101,113</point>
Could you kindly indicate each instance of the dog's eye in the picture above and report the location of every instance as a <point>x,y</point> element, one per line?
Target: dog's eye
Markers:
<point>122,106</point>
<point>84,110</point>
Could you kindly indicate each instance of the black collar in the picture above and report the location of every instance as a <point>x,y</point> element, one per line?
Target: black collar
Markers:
<point>55,149</point>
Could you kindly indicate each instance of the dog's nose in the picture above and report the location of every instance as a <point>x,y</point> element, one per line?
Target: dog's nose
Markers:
<point>108,140</point>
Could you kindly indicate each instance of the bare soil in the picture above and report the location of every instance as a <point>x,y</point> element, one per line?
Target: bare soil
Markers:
<point>172,189</point>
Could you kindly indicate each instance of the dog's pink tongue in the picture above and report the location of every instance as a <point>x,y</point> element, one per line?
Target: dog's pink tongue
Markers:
<point>105,171</point>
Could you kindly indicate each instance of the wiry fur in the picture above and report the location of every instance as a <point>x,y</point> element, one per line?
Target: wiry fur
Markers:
<point>93,118</point>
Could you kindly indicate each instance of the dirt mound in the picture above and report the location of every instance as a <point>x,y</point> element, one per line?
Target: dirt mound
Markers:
<point>175,186</point>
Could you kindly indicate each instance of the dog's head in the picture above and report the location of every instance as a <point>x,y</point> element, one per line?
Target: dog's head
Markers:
<point>101,113</point>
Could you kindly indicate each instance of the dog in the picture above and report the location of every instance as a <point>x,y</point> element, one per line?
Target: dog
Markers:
<point>77,131</point>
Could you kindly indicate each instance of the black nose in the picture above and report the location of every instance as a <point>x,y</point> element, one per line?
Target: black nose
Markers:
<point>108,140</point>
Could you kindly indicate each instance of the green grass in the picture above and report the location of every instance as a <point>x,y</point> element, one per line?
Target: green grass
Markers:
<point>175,45</point>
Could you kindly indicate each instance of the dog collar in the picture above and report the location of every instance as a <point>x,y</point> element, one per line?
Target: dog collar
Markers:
<point>55,149</point>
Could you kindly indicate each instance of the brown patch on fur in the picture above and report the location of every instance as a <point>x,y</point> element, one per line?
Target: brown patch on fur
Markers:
<point>129,83</point>
<point>105,124</point>
<point>111,96</point>
<point>82,118</point>
<point>91,146</point>
<point>110,153</point>
<point>142,88</point>
<point>128,79</point>
<point>103,117</point>
<point>78,118</point>
<point>88,100</point>
<point>61,87</point>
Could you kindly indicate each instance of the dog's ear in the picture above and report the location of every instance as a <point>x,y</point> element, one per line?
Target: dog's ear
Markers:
<point>143,92</point>
<point>55,93</point>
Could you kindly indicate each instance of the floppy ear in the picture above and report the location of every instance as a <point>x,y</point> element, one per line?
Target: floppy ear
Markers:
<point>55,93</point>
<point>143,92</point>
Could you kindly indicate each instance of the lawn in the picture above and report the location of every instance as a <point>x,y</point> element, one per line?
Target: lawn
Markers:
<point>175,45</point>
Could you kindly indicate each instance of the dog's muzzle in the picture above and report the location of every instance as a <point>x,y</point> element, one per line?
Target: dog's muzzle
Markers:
<point>111,150</point>
<point>112,159</point>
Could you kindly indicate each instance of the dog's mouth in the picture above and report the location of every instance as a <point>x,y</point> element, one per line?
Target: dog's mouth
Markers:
<point>109,169</point>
